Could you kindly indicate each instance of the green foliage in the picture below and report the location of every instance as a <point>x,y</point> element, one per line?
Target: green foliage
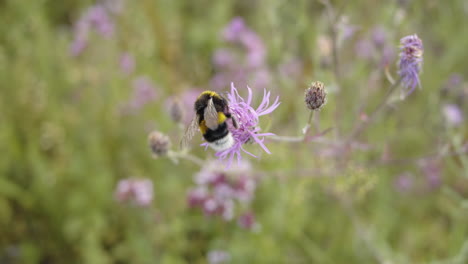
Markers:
<point>67,138</point>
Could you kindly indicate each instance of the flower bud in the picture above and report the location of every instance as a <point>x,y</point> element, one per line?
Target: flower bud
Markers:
<point>315,96</point>
<point>410,64</point>
<point>176,111</point>
<point>159,143</point>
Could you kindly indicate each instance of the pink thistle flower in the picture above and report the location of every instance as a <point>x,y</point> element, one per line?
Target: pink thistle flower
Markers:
<point>247,120</point>
<point>136,191</point>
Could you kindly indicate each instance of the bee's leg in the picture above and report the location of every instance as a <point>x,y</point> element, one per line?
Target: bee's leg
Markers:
<point>234,122</point>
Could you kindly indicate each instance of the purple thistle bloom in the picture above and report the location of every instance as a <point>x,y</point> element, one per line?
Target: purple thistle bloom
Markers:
<point>247,121</point>
<point>411,51</point>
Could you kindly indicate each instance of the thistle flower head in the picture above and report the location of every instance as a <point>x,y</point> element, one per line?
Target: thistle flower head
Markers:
<point>136,191</point>
<point>247,119</point>
<point>410,64</point>
<point>158,143</point>
<point>315,96</point>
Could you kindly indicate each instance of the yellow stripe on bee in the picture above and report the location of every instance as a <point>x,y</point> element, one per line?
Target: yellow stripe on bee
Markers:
<point>210,93</point>
<point>221,117</point>
<point>203,127</point>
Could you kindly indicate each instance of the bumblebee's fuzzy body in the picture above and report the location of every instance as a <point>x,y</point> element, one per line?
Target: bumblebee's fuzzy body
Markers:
<point>214,127</point>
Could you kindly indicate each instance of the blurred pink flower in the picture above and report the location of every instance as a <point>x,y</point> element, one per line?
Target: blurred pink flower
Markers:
<point>244,61</point>
<point>404,182</point>
<point>96,17</point>
<point>144,92</point>
<point>218,257</point>
<point>220,192</point>
<point>453,114</point>
<point>127,63</point>
<point>136,191</point>
<point>247,220</point>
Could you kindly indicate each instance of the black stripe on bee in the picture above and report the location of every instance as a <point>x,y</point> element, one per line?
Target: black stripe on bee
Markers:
<point>217,134</point>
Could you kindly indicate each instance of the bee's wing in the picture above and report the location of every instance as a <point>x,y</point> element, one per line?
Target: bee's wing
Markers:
<point>211,115</point>
<point>189,133</point>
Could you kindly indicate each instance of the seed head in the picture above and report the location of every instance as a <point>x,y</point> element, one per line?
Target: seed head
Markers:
<point>159,143</point>
<point>315,96</point>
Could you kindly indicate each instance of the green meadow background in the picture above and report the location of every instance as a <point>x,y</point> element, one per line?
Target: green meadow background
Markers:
<point>65,140</point>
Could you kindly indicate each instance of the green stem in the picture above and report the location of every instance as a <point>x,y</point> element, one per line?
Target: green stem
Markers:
<point>358,130</point>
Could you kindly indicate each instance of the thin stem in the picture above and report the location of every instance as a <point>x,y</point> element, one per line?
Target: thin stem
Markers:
<point>377,110</point>
<point>185,155</point>
<point>299,138</point>
<point>317,122</point>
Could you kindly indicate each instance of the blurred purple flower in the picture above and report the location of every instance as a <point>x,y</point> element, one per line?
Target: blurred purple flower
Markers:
<point>291,69</point>
<point>223,58</point>
<point>261,78</point>
<point>245,62</point>
<point>136,191</point>
<point>404,182</point>
<point>455,80</point>
<point>95,17</point>
<point>144,92</point>
<point>247,220</point>
<point>346,29</point>
<point>364,49</point>
<point>379,35</point>
<point>432,171</point>
<point>233,31</point>
<point>388,54</point>
<point>114,6</point>
<point>256,51</point>
<point>219,191</point>
<point>247,121</point>
<point>411,58</point>
<point>218,257</point>
<point>453,114</point>
<point>127,63</point>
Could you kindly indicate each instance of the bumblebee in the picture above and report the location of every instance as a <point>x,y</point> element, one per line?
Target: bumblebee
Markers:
<point>211,114</point>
